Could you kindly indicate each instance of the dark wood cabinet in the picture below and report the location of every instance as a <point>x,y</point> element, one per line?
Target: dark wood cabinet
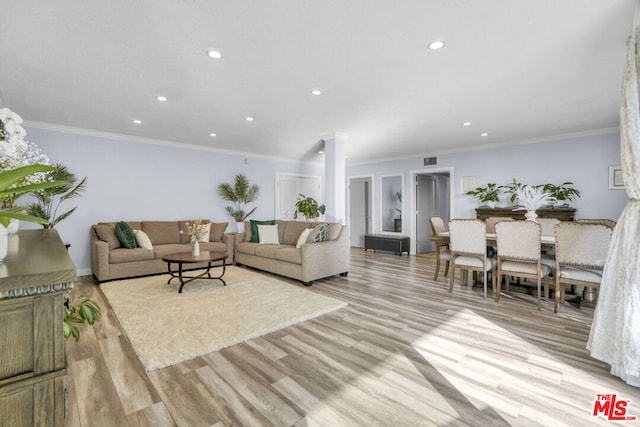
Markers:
<point>33,279</point>
<point>387,242</point>
<point>563,214</point>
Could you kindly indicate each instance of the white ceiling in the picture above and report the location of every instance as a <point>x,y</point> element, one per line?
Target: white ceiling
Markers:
<point>520,70</point>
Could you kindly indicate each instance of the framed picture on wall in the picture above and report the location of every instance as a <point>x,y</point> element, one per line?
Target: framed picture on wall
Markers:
<point>468,183</point>
<point>616,181</point>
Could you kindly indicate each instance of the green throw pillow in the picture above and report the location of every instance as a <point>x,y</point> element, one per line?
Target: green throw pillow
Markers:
<point>254,229</point>
<point>125,235</point>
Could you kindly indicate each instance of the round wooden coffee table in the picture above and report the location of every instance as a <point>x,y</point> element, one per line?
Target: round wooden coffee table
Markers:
<point>188,258</point>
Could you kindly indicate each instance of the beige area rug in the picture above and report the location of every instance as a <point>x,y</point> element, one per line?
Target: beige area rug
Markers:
<point>166,328</point>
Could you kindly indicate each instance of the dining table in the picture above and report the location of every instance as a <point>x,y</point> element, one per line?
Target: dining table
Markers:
<point>491,238</point>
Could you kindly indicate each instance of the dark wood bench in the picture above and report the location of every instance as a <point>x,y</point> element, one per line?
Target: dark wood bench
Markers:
<point>387,242</point>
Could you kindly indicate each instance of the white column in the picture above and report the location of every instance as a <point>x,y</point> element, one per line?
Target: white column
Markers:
<point>335,177</point>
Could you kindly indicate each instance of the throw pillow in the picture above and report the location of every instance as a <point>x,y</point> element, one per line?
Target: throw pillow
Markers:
<point>303,237</point>
<point>107,233</point>
<point>217,231</point>
<point>254,229</point>
<point>125,235</point>
<point>268,234</point>
<point>207,233</point>
<point>142,239</point>
<point>320,233</point>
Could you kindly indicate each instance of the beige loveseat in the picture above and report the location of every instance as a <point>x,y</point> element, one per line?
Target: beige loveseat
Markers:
<point>312,261</point>
<point>109,260</point>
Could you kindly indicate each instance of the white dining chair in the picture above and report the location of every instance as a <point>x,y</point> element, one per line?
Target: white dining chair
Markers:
<point>518,244</point>
<point>468,246</point>
<point>581,252</point>
<point>546,229</point>
<point>442,247</point>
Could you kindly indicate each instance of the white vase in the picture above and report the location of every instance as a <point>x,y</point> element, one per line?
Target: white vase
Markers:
<point>4,242</point>
<point>531,216</point>
<point>13,226</point>
<point>240,227</point>
<point>196,248</point>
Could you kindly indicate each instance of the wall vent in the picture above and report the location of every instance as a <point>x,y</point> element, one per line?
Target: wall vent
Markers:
<point>430,161</point>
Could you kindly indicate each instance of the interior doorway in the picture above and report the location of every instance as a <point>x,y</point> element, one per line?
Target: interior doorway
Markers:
<point>432,198</point>
<point>360,209</point>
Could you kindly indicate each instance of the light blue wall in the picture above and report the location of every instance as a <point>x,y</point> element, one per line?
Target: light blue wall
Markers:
<point>129,180</point>
<point>583,160</point>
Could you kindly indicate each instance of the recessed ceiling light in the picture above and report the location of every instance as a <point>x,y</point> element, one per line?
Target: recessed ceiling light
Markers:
<point>320,152</point>
<point>214,54</point>
<point>466,124</point>
<point>316,92</point>
<point>249,119</point>
<point>436,44</point>
<point>136,121</point>
<point>484,134</point>
<point>212,134</point>
<point>161,98</point>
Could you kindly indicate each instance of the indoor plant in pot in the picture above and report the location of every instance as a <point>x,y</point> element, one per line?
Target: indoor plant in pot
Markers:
<point>309,207</point>
<point>240,194</point>
<point>488,195</point>
<point>562,194</point>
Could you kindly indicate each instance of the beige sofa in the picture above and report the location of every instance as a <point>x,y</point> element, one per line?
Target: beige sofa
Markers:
<point>109,260</point>
<point>312,261</point>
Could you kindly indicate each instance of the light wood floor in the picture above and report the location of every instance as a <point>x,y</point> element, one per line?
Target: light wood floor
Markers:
<point>404,352</point>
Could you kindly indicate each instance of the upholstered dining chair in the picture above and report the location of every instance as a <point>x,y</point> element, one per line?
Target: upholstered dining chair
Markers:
<point>493,220</point>
<point>519,255</point>
<point>546,228</point>
<point>581,252</point>
<point>442,246</point>
<point>468,246</point>
<point>607,222</point>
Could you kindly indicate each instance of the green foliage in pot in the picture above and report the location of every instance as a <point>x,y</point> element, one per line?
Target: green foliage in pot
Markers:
<point>513,188</point>
<point>563,193</point>
<point>48,200</point>
<point>240,194</point>
<point>488,193</point>
<point>9,192</point>
<point>309,207</point>
<point>84,310</point>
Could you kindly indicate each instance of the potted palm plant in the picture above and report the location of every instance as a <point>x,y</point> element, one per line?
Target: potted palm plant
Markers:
<point>48,200</point>
<point>241,193</point>
<point>309,207</point>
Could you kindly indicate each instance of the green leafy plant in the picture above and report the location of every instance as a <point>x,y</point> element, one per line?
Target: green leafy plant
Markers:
<point>49,200</point>
<point>9,192</point>
<point>241,193</point>
<point>85,310</point>
<point>563,193</point>
<point>309,207</point>
<point>513,188</point>
<point>488,193</point>
<point>399,210</point>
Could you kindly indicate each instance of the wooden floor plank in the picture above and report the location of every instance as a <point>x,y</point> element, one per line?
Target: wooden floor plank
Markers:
<point>403,352</point>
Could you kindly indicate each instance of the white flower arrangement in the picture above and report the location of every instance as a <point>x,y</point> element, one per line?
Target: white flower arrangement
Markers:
<point>15,152</point>
<point>196,229</point>
<point>531,198</point>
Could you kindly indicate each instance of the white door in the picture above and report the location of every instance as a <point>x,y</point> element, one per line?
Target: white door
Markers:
<point>289,187</point>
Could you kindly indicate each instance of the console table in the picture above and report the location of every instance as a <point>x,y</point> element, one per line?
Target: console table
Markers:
<point>387,242</point>
<point>563,214</point>
<point>33,279</point>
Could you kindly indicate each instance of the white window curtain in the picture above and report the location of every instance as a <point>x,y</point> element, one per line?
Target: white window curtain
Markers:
<point>615,331</point>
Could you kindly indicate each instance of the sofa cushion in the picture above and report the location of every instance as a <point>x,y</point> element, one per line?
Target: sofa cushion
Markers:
<point>268,251</point>
<point>248,248</point>
<point>268,234</point>
<point>334,230</point>
<point>121,255</point>
<point>282,227</point>
<point>171,248</point>
<point>254,229</point>
<point>293,230</point>
<point>162,232</point>
<point>288,254</point>
<point>107,233</point>
<point>125,235</point>
<point>142,239</point>
<point>214,247</point>
<point>217,231</point>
